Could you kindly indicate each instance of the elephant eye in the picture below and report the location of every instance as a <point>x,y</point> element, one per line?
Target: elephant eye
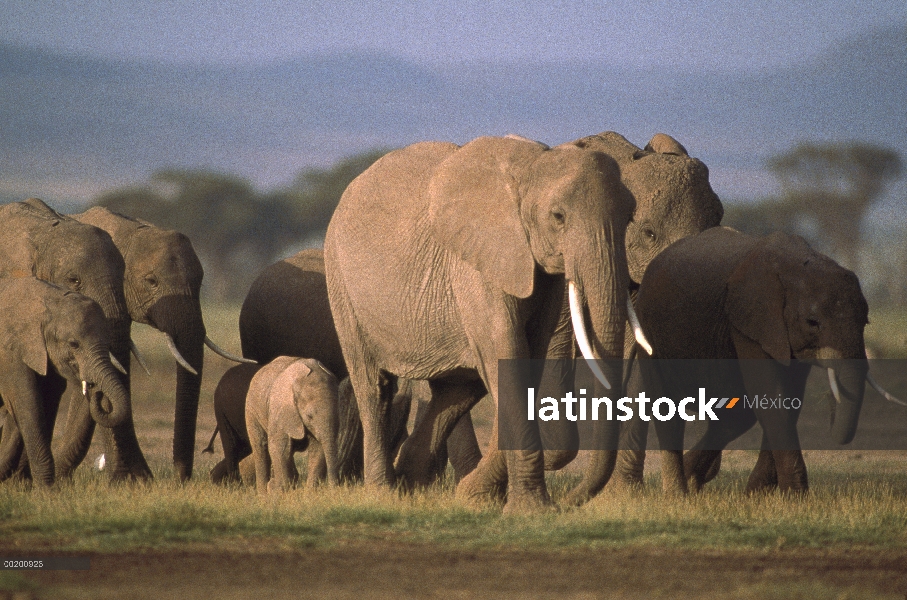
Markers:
<point>814,324</point>
<point>649,233</point>
<point>558,215</point>
<point>151,280</point>
<point>74,344</point>
<point>74,282</point>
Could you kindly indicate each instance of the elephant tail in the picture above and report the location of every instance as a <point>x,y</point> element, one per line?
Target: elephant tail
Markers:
<point>209,449</point>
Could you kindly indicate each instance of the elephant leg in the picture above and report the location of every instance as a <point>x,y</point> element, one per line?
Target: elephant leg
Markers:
<point>631,458</point>
<point>124,454</point>
<point>284,474</point>
<point>234,440</point>
<point>11,449</point>
<point>76,436</point>
<point>463,448</point>
<point>705,456</point>
<point>258,439</point>
<point>488,481</point>
<point>420,458</point>
<point>318,465</point>
<point>764,477</point>
<point>670,440</point>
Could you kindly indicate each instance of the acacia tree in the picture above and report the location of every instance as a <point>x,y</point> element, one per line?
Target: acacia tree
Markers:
<point>835,185</point>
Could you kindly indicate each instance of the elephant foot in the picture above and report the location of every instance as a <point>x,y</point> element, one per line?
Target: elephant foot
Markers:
<point>525,503</point>
<point>628,472</point>
<point>487,483</point>
<point>416,470</point>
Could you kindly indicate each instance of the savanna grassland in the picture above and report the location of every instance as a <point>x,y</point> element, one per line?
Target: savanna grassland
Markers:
<point>846,539</point>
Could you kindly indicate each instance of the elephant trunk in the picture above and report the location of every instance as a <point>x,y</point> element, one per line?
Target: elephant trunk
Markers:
<point>101,381</point>
<point>850,379</point>
<point>180,317</point>
<point>604,287</point>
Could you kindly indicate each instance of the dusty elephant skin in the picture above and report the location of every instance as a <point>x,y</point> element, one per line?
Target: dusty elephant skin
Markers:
<point>674,200</point>
<point>440,260</point>
<point>291,406</point>
<point>38,241</point>
<point>161,282</point>
<point>52,338</point>
<point>230,411</point>
<point>287,312</point>
<point>724,294</point>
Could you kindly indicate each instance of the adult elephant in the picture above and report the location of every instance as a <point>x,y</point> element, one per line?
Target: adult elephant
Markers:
<point>441,260</point>
<point>726,295</point>
<point>673,200</point>
<point>36,240</point>
<point>161,281</point>
<point>287,313</point>
<point>52,337</point>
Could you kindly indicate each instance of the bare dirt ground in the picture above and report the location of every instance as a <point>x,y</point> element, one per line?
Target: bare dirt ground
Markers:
<point>383,571</point>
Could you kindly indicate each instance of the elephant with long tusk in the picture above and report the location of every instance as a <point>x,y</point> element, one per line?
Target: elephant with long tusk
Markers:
<point>162,281</point>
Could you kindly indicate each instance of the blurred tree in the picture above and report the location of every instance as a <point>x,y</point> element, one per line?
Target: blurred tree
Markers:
<point>834,185</point>
<point>236,230</point>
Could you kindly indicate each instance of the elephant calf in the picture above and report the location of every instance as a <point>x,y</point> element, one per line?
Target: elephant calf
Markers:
<point>291,405</point>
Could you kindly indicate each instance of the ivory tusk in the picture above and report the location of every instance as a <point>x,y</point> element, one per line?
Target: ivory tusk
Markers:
<point>84,388</point>
<point>119,367</point>
<point>138,357</point>
<point>875,385</point>
<point>833,384</point>
<point>218,350</point>
<point>179,357</point>
<point>637,328</point>
<point>579,330</point>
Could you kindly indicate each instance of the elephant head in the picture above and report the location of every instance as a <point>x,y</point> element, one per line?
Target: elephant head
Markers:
<point>672,192</point>
<point>507,205</point>
<point>314,393</point>
<point>799,304</point>
<point>48,329</point>
<point>161,282</point>
<point>75,256</point>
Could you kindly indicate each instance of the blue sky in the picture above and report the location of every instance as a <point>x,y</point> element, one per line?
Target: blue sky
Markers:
<point>728,35</point>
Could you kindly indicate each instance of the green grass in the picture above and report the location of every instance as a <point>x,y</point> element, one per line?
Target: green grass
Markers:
<point>856,509</point>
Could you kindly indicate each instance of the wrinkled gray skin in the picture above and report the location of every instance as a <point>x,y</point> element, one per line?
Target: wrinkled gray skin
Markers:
<point>441,259</point>
<point>230,412</point>
<point>292,405</point>
<point>673,200</point>
<point>287,312</point>
<point>35,240</point>
<point>52,338</point>
<point>161,282</point>
<point>726,295</point>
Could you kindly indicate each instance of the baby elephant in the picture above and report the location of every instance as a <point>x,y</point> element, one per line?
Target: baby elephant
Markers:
<point>291,406</point>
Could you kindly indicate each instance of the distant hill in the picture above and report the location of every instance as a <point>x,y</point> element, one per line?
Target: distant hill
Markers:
<point>71,126</point>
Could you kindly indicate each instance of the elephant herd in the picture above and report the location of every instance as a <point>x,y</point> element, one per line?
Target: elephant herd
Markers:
<point>439,261</point>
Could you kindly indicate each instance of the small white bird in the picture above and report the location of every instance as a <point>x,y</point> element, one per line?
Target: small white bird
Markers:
<point>100,462</point>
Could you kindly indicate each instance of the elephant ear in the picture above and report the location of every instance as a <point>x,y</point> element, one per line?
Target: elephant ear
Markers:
<point>474,207</point>
<point>755,304</point>
<point>282,409</point>
<point>28,334</point>
<point>665,144</point>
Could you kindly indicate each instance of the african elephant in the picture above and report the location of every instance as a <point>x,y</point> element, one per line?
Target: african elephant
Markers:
<point>673,200</point>
<point>52,337</point>
<point>35,240</point>
<point>726,295</point>
<point>291,406</point>
<point>287,312</point>
<point>162,279</point>
<point>442,259</point>
<point>230,412</point>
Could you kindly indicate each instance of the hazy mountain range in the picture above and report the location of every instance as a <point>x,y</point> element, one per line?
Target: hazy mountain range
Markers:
<point>71,126</point>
